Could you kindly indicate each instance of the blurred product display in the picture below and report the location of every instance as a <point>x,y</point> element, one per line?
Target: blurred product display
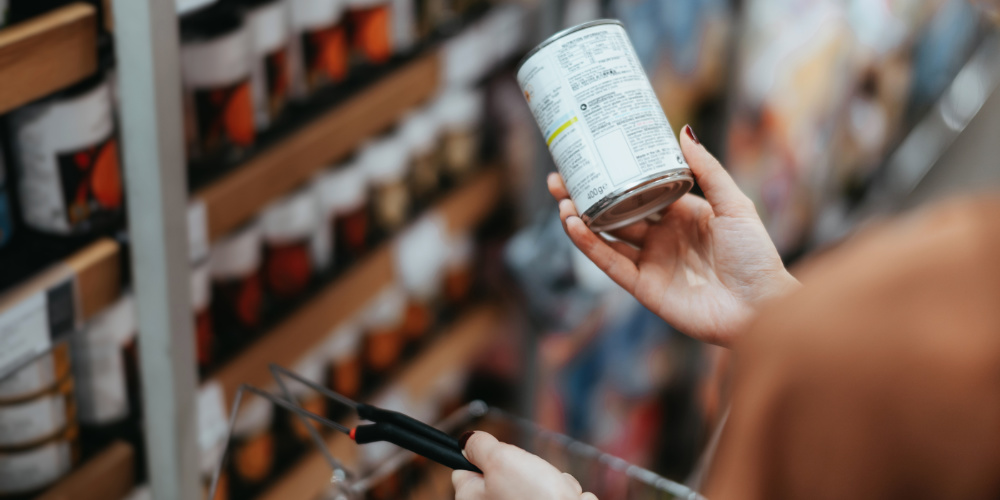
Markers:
<point>371,29</point>
<point>320,50</point>
<point>288,227</point>
<point>237,286</point>
<point>270,33</point>
<point>385,166</point>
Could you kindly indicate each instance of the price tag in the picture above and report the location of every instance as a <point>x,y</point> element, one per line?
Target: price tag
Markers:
<point>213,426</point>
<point>28,327</point>
<point>197,219</point>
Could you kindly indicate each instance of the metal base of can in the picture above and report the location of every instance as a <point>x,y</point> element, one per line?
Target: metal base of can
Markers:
<point>638,201</point>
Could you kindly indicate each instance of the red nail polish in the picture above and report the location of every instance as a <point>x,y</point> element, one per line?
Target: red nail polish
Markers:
<point>690,132</point>
<point>465,438</point>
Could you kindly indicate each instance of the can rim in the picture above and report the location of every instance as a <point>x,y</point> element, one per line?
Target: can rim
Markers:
<point>566,32</point>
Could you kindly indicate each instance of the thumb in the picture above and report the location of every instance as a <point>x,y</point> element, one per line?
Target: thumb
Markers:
<point>719,187</point>
<point>481,448</point>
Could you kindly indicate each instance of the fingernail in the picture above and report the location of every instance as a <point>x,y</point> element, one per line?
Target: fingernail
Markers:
<point>465,438</point>
<point>690,132</point>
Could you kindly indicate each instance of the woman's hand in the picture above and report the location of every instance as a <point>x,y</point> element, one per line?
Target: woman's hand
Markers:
<point>703,267</point>
<point>510,473</point>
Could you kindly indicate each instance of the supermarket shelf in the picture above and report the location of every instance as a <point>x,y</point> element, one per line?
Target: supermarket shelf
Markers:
<point>307,327</point>
<point>45,54</point>
<point>454,349</point>
<point>240,195</point>
<point>109,475</point>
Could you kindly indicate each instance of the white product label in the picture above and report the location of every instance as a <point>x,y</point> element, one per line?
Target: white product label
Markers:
<point>598,113</point>
<point>213,426</point>
<point>197,219</point>
<point>21,472</point>
<point>24,332</point>
<point>101,388</point>
<point>321,246</point>
<point>32,420</point>
<point>29,379</point>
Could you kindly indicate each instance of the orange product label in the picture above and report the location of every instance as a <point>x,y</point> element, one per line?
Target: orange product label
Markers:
<point>384,349</point>
<point>315,405</point>
<point>326,55</point>
<point>278,81</point>
<point>345,377</point>
<point>242,298</point>
<point>255,458</point>
<point>91,180</point>
<point>418,321</point>
<point>287,269</point>
<point>372,32</point>
<point>352,232</point>
<point>225,115</point>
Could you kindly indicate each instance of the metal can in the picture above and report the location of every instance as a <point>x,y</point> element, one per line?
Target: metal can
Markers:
<point>25,471</point>
<point>30,421</point>
<point>603,124</point>
<point>37,376</point>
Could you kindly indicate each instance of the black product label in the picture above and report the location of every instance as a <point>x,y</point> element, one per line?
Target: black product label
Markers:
<point>278,82</point>
<point>61,309</point>
<point>91,181</point>
<point>225,117</point>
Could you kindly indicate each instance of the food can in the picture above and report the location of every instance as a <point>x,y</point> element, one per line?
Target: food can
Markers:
<point>37,376</point>
<point>270,36</point>
<point>237,288</point>
<point>99,364</point>
<point>603,124</point>
<point>28,470</point>
<point>33,420</point>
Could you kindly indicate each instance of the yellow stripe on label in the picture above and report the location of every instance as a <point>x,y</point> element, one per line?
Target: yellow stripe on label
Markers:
<point>559,131</point>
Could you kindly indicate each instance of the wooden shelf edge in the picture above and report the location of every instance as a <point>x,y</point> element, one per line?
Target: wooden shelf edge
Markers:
<point>96,270</point>
<point>47,53</point>
<point>282,168</point>
<point>109,475</point>
<point>454,350</point>
<point>310,325</point>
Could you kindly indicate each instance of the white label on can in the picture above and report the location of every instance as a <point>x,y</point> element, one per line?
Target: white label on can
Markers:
<point>30,470</point>
<point>213,426</point>
<point>24,332</point>
<point>100,382</point>
<point>598,113</point>
<point>32,420</point>
<point>30,379</point>
<point>197,219</point>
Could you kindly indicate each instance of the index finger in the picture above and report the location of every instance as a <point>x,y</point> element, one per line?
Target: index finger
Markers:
<point>557,188</point>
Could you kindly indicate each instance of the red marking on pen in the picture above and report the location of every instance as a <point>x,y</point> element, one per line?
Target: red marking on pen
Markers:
<point>353,431</point>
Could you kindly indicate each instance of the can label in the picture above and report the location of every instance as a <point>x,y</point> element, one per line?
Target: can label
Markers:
<point>598,113</point>
<point>90,181</point>
<point>326,56</point>
<point>30,470</point>
<point>32,420</point>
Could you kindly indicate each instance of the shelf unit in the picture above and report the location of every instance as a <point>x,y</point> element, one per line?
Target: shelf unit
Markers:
<point>237,197</point>
<point>461,210</point>
<point>110,474</point>
<point>47,53</point>
<point>453,350</point>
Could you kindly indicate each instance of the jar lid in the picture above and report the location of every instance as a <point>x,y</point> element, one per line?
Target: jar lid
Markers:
<point>290,219</point>
<point>340,189</point>
<point>311,368</point>
<point>238,254</point>
<point>387,309</point>
<point>384,160</point>
<point>216,20</point>
<point>419,131</point>
<point>201,290</point>
<point>343,342</point>
<point>311,14</point>
<point>116,324</point>
<point>419,254</point>
<point>269,25</point>
<point>460,250</point>
<point>254,417</point>
<point>459,108</point>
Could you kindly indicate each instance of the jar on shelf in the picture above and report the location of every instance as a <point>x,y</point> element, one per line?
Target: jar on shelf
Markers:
<point>236,284</point>
<point>99,365</point>
<point>216,71</point>
<point>371,29</point>
<point>313,369</point>
<point>38,376</point>
<point>320,48</point>
<point>270,38</point>
<point>65,151</point>
<point>25,472</point>
<point>342,196</point>
<point>252,446</point>
<point>419,134</point>
<point>459,273</point>
<point>288,227</point>
<point>419,258</point>
<point>459,113</point>
<point>383,320</point>
<point>404,34</point>
<point>27,422</point>
<point>201,301</point>
<point>343,353</point>
<point>6,217</point>
<point>385,166</point>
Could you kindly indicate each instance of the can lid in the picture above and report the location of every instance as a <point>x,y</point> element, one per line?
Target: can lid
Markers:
<point>458,108</point>
<point>419,254</point>
<point>238,254</point>
<point>383,161</point>
<point>568,31</point>
<point>289,219</point>
<point>310,14</point>
<point>213,21</point>
<point>116,324</point>
<point>387,309</point>
<point>419,131</point>
<point>269,25</point>
<point>340,189</point>
<point>311,368</point>
<point>343,342</point>
<point>254,417</point>
<point>201,290</point>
